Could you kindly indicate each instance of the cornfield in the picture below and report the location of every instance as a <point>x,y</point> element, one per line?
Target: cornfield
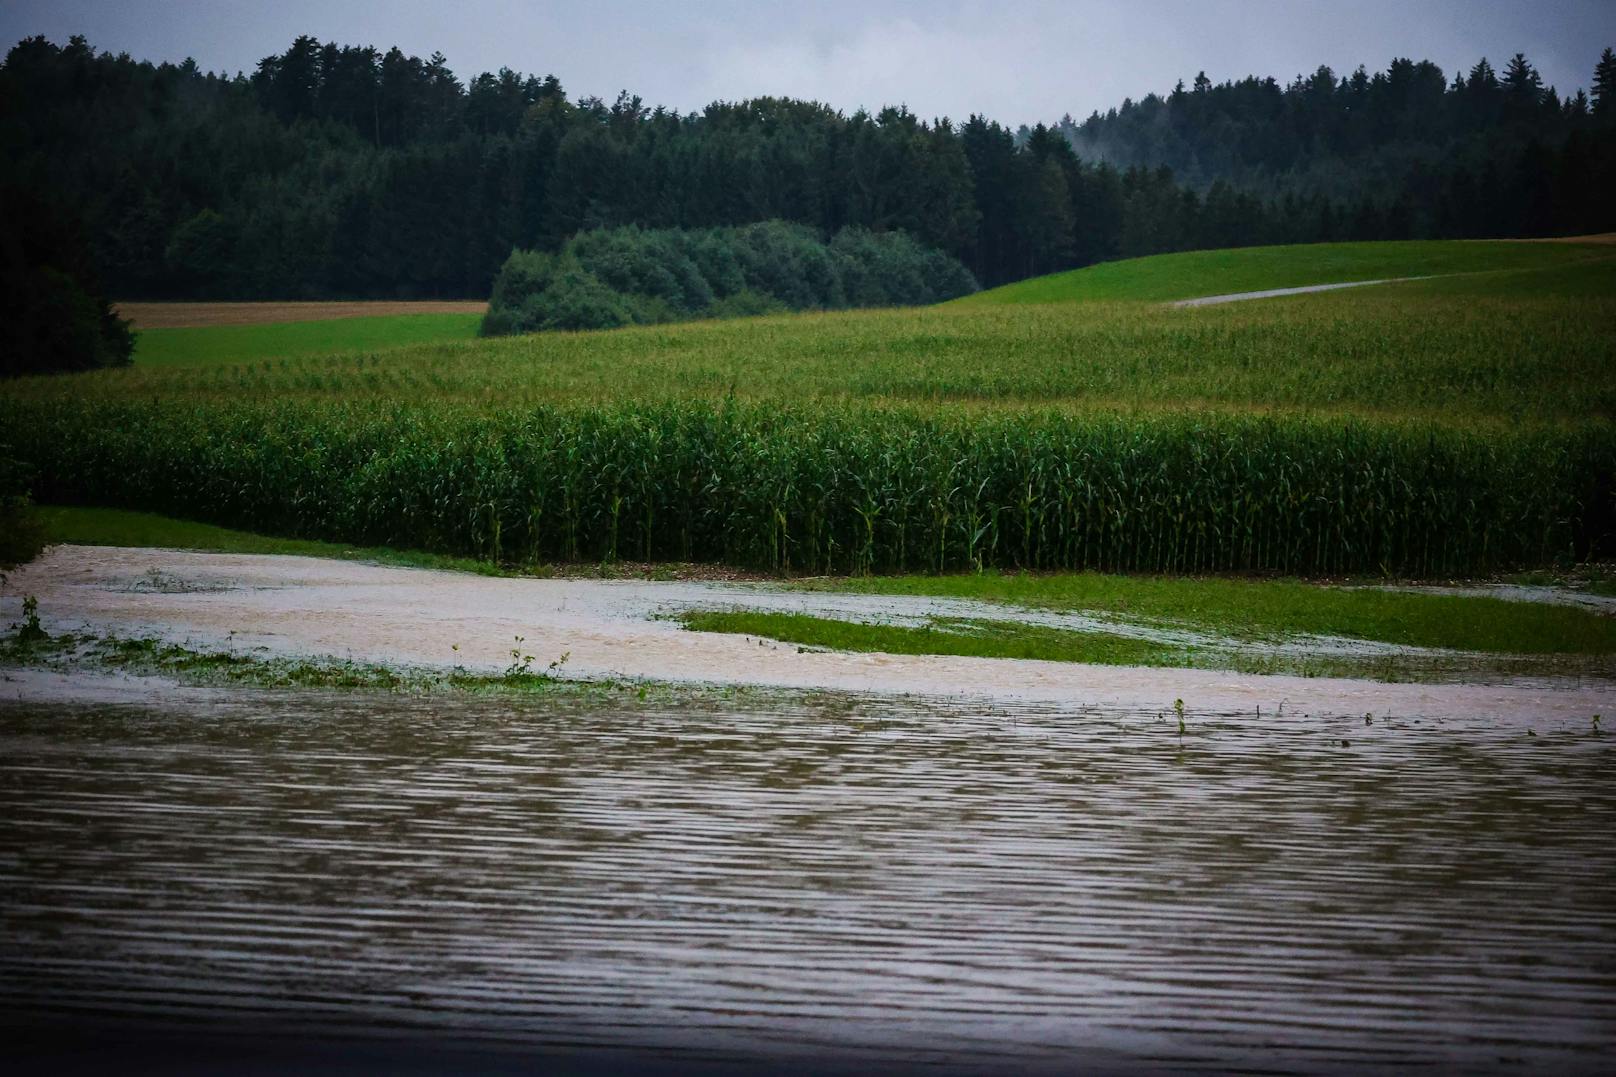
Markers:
<point>837,488</point>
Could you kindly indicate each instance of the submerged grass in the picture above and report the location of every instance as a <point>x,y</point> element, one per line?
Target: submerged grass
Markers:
<point>972,638</point>
<point>150,657</point>
<point>982,638</point>
<point>1259,610</point>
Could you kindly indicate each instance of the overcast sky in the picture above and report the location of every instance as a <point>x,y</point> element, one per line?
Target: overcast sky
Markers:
<point>1018,62</point>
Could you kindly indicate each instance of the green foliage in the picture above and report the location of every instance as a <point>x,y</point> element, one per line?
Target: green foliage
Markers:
<point>612,277</point>
<point>22,532</point>
<point>1444,426</point>
<point>53,316</point>
<point>202,252</point>
<point>30,631</point>
<point>346,171</point>
<point>828,488</point>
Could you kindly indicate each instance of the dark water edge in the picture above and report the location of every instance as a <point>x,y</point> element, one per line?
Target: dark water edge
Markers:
<point>376,883</point>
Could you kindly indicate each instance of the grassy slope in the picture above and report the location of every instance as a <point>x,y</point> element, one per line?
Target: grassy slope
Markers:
<point>287,340</point>
<point>1527,343</point>
<point>118,527</point>
<point>1199,273</point>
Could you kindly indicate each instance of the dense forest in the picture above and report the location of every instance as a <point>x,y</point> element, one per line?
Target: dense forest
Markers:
<point>1345,136</point>
<point>343,171</point>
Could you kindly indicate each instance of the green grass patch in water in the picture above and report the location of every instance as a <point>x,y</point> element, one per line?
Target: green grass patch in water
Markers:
<point>1271,610</point>
<point>1009,639</point>
<point>962,637</point>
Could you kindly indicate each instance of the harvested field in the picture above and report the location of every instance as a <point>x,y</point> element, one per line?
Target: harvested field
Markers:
<point>194,315</point>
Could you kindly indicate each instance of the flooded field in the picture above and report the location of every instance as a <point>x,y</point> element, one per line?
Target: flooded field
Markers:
<point>830,882</point>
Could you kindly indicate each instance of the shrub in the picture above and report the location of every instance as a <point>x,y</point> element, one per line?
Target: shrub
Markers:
<point>53,316</point>
<point>22,532</point>
<point>537,291</point>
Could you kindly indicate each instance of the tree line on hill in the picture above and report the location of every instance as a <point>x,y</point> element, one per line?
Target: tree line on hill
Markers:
<point>1433,142</point>
<point>344,171</point>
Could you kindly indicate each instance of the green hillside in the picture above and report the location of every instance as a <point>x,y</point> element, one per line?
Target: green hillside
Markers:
<point>1164,277</point>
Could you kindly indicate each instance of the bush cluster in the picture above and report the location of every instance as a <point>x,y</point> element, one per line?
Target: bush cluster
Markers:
<point>634,276</point>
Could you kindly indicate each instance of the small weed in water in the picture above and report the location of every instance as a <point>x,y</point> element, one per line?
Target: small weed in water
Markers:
<point>520,670</point>
<point>29,631</point>
<point>521,664</point>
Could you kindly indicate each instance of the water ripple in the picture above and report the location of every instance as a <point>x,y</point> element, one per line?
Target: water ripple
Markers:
<point>854,882</point>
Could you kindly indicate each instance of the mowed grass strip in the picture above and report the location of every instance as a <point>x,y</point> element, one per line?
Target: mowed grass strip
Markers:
<point>121,527</point>
<point>226,344</point>
<point>1189,274</point>
<point>1274,610</point>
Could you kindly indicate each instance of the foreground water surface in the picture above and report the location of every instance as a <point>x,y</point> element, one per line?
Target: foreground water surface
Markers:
<point>832,882</point>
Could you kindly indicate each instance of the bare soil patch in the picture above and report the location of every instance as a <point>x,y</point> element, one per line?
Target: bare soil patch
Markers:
<point>193,315</point>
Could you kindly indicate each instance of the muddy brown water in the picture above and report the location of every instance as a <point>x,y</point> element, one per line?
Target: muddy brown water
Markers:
<point>838,882</point>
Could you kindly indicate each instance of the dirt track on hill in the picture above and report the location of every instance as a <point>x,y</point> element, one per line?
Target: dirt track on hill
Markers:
<point>296,606</point>
<point>194,315</point>
<point>1271,293</point>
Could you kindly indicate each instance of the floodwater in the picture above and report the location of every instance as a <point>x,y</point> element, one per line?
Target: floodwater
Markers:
<point>818,882</point>
<point>611,629</point>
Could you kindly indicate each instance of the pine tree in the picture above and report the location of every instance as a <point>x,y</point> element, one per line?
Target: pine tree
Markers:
<point>1605,84</point>
<point>1522,82</point>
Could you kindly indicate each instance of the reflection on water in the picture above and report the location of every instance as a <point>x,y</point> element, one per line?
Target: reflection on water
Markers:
<point>833,881</point>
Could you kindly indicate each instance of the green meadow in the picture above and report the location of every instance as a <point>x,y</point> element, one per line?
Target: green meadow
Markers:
<point>1492,345</point>
<point>289,340</point>
<point>1190,274</point>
